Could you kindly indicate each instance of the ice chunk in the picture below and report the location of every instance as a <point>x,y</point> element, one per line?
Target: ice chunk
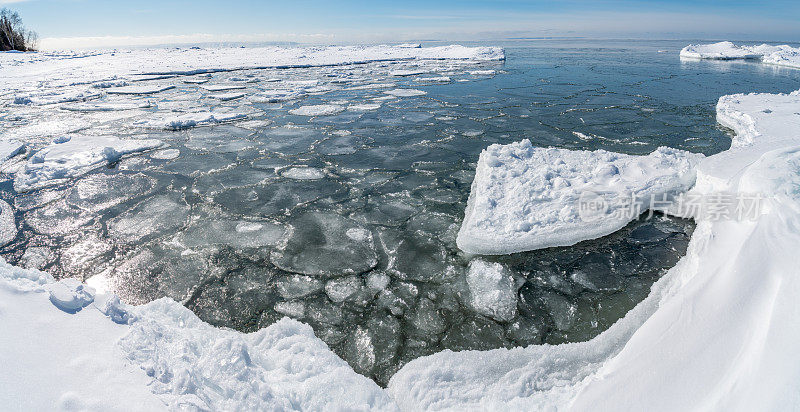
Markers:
<point>324,244</point>
<point>239,234</point>
<point>8,225</point>
<point>492,290</point>
<point>344,288</point>
<point>70,295</point>
<point>223,87</point>
<point>365,107</point>
<point>303,173</point>
<point>143,89</point>
<point>224,97</point>
<point>10,148</point>
<point>70,158</point>
<point>277,96</point>
<point>405,92</point>
<point>297,286</point>
<point>166,154</point>
<point>102,191</point>
<point>293,308</point>
<point>193,119</point>
<point>317,110</point>
<point>526,198</point>
<point>439,79</point>
<point>155,216</point>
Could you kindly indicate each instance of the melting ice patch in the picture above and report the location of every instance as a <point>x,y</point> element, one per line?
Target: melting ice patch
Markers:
<point>526,198</point>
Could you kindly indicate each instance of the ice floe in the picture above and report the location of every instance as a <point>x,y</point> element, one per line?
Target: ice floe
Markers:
<point>526,198</point>
<point>405,92</point>
<point>72,157</point>
<point>145,89</point>
<point>782,55</point>
<point>192,119</point>
<point>317,110</point>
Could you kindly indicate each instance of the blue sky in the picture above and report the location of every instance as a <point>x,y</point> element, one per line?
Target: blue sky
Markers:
<point>118,22</point>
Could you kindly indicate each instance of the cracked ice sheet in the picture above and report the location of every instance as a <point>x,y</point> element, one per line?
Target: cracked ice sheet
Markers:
<point>68,158</point>
<point>27,69</point>
<point>526,198</point>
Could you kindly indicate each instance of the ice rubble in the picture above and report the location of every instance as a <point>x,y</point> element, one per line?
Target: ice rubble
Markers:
<point>715,331</point>
<point>526,198</point>
<point>782,55</point>
<point>67,158</point>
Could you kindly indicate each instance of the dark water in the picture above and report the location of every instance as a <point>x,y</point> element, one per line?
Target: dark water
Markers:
<point>363,247</point>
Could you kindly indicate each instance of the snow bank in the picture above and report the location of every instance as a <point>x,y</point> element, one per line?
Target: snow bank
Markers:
<point>716,332</point>
<point>67,158</point>
<point>526,198</point>
<point>93,352</point>
<point>783,55</point>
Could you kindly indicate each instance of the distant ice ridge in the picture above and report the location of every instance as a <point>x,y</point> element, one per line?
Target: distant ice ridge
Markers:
<point>526,198</point>
<point>715,333</point>
<point>21,71</point>
<point>783,55</point>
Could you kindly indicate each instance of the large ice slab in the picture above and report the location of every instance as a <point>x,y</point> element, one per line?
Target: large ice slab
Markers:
<point>68,158</point>
<point>782,55</point>
<point>526,198</point>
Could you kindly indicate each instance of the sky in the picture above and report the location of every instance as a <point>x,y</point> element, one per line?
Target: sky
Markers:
<point>101,23</point>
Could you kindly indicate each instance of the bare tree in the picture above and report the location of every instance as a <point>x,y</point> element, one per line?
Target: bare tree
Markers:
<point>13,35</point>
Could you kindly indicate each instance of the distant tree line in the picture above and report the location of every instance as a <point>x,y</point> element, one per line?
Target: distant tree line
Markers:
<point>13,35</point>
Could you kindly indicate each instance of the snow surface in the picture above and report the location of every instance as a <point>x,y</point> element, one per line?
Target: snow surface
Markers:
<point>782,55</point>
<point>68,158</point>
<point>526,198</point>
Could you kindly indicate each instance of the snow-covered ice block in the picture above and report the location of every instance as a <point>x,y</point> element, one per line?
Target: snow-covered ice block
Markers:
<point>405,92</point>
<point>10,148</point>
<point>72,157</point>
<point>723,50</point>
<point>526,198</point>
<point>277,96</point>
<point>70,295</point>
<point>192,119</point>
<point>783,55</point>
